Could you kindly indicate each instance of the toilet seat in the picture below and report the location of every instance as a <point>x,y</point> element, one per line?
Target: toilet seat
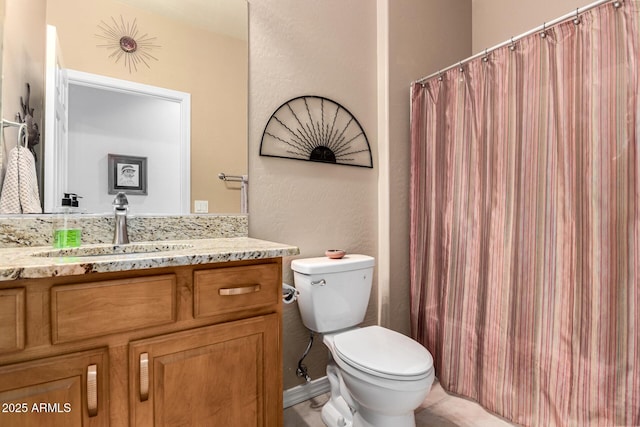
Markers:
<point>383,353</point>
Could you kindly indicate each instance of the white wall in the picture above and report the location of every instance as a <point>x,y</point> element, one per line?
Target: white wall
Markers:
<point>102,123</point>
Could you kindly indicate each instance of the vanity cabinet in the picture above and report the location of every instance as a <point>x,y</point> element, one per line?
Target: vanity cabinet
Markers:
<point>209,376</point>
<point>184,346</point>
<point>63,391</point>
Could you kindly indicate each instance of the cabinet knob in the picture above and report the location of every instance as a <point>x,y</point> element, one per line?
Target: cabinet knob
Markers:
<point>92,390</point>
<point>144,376</point>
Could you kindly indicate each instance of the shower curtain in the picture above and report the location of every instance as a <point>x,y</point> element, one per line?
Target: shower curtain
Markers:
<point>525,224</point>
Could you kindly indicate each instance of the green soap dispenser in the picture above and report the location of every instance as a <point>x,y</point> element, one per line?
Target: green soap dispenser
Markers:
<point>67,232</point>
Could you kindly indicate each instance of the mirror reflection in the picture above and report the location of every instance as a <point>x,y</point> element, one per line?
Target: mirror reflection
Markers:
<point>195,49</point>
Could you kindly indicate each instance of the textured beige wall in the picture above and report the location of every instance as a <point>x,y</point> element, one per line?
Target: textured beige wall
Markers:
<point>423,37</point>
<point>211,67</point>
<point>495,21</point>
<point>331,48</point>
<point>325,48</point>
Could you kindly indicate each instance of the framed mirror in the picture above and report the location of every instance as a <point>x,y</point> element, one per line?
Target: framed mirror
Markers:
<point>193,47</point>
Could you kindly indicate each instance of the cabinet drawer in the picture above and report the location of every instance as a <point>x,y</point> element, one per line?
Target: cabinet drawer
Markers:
<point>93,309</point>
<point>229,289</point>
<point>12,320</point>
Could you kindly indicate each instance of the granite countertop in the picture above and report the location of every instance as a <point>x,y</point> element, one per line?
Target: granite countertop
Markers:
<point>44,261</point>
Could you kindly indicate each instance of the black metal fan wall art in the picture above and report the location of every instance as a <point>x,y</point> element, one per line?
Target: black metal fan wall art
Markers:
<point>316,129</point>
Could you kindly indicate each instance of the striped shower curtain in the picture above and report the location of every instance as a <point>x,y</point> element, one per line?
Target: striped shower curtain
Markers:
<point>525,224</point>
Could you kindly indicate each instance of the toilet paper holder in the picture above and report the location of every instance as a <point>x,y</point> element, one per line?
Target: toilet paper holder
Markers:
<point>289,293</point>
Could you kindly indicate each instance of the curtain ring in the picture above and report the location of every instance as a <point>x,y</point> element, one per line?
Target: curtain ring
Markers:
<point>485,58</point>
<point>512,46</point>
<point>577,19</point>
<point>618,4</point>
<point>543,34</point>
<point>440,78</point>
<point>461,67</point>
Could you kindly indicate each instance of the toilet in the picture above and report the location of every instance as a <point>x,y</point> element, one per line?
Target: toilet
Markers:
<point>378,377</point>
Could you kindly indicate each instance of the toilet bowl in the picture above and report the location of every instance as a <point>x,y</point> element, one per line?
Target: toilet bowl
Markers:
<point>378,377</point>
<point>386,374</point>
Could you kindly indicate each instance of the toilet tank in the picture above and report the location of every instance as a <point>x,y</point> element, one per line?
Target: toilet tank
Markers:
<point>334,293</point>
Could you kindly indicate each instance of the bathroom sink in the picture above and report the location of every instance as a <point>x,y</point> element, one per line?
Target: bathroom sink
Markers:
<point>98,250</point>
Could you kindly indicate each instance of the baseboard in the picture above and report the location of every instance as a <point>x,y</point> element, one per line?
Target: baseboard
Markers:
<point>306,391</point>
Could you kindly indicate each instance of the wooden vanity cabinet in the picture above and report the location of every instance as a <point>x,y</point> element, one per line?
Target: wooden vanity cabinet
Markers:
<point>12,313</point>
<point>185,346</point>
<point>215,375</point>
<point>64,391</point>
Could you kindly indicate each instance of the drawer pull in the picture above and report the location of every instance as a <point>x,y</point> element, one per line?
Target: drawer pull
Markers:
<point>92,390</point>
<point>144,376</point>
<point>239,291</point>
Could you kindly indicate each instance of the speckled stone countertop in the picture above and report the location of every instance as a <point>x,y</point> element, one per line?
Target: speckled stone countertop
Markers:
<point>37,230</point>
<point>44,261</point>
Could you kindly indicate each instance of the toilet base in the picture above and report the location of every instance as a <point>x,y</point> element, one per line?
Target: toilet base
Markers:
<point>342,411</point>
<point>333,417</point>
<point>378,420</point>
<point>336,412</point>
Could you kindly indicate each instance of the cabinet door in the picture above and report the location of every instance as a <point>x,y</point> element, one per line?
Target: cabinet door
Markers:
<point>63,391</point>
<point>12,325</point>
<point>222,375</point>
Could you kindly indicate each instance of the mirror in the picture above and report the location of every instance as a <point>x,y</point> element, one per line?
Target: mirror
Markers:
<point>196,47</point>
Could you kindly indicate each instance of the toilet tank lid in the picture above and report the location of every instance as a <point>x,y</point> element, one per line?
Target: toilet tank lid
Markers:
<point>321,265</point>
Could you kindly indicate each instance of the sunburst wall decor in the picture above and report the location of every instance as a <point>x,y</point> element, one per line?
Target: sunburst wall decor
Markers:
<point>124,42</point>
<point>316,129</point>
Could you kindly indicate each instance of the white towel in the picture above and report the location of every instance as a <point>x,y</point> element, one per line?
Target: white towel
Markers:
<point>20,187</point>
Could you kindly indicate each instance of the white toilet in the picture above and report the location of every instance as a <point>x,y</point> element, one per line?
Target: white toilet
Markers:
<point>378,377</point>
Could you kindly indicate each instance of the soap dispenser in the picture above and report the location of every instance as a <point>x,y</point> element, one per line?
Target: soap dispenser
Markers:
<point>67,232</point>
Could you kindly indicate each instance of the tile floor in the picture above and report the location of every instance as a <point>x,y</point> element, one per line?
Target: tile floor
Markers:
<point>438,410</point>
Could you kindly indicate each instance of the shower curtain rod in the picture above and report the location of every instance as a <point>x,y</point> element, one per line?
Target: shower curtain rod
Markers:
<point>574,15</point>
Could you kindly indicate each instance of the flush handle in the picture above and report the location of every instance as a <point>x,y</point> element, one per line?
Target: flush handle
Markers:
<point>320,282</point>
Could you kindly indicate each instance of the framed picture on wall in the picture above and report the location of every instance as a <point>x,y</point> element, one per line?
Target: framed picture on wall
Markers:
<point>127,174</point>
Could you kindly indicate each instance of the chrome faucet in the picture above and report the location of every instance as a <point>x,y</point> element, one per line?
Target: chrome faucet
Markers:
<point>120,207</point>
